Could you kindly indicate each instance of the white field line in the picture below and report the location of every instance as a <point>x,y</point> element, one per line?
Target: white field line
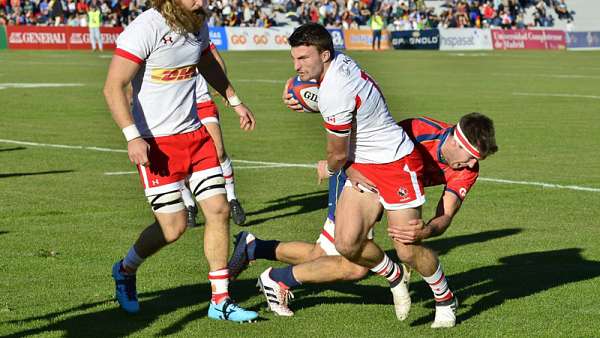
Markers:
<point>594,97</point>
<point>39,85</point>
<point>540,184</point>
<point>266,165</point>
<point>283,165</point>
<point>259,80</point>
<point>552,76</point>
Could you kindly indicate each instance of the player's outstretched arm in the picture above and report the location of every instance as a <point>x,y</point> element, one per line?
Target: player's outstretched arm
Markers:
<point>214,74</point>
<point>416,230</point>
<point>120,73</point>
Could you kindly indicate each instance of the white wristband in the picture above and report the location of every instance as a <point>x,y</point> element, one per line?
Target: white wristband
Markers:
<point>234,100</point>
<point>330,172</point>
<point>131,132</point>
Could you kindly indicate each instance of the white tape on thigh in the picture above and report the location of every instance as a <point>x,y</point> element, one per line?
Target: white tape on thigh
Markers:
<point>206,187</point>
<point>168,202</point>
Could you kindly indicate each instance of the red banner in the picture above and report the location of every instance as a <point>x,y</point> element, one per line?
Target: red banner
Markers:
<point>35,37</point>
<point>528,39</point>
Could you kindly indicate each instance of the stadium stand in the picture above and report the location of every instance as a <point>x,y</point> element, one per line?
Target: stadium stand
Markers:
<point>397,14</point>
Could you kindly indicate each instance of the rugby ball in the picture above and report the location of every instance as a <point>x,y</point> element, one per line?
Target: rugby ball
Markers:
<point>306,92</point>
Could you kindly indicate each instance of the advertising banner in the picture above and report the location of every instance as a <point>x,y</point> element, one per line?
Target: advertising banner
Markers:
<point>33,37</point>
<point>337,35</point>
<point>528,39</point>
<point>2,38</point>
<point>582,40</point>
<point>424,39</point>
<point>362,39</point>
<point>218,37</point>
<point>79,37</point>
<point>465,39</point>
<point>251,38</point>
<point>36,37</point>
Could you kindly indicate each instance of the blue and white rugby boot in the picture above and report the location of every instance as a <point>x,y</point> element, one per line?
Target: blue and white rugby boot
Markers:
<point>125,290</point>
<point>241,256</point>
<point>228,310</point>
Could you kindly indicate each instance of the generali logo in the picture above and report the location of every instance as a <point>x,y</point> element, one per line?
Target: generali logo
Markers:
<point>84,38</point>
<point>37,37</point>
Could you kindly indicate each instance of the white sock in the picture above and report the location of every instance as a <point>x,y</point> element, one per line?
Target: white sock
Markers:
<point>388,269</point>
<point>132,261</point>
<point>188,197</point>
<point>439,285</point>
<point>229,181</point>
<point>219,282</point>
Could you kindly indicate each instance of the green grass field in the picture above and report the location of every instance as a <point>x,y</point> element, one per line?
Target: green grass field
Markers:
<point>523,259</point>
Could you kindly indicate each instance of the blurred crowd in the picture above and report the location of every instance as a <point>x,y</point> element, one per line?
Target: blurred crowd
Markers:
<point>394,14</point>
<point>68,12</point>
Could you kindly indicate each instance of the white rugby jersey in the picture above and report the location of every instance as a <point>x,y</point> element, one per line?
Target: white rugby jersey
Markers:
<point>202,94</point>
<point>346,92</point>
<point>164,87</point>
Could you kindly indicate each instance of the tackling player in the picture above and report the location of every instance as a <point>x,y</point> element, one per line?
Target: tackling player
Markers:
<point>382,167</point>
<point>448,160</point>
<point>159,53</point>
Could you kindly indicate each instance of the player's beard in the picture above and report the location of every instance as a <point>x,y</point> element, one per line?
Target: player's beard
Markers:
<point>180,19</point>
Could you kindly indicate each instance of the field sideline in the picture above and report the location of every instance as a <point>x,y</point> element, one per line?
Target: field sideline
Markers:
<point>522,255</point>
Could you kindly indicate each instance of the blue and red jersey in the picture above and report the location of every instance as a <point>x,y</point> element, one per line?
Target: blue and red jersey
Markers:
<point>429,135</point>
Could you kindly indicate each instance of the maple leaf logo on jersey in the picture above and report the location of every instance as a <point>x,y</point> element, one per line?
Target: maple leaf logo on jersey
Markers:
<point>331,119</point>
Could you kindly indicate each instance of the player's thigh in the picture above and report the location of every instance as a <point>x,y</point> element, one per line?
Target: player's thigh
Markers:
<point>403,216</point>
<point>405,252</point>
<point>355,215</point>
<point>215,208</point>
<point>206,179</point>
<point>173,224</point>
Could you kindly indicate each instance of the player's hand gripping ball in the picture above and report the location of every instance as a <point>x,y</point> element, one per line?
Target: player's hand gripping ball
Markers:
<point>305,92</point>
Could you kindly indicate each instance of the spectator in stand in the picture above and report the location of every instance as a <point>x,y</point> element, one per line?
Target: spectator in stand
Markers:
<point>488,14</point>
<point>560,7</point>
<point>81,7</point>
<point>94,20</point>
<point>376,23</point>
<point>56,12</point>
<point>506,20</point>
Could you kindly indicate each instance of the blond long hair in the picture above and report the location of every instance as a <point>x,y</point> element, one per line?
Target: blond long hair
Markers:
<point>178,18</point>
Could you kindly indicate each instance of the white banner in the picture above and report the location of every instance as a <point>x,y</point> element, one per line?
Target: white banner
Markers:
<point>250,38</point>
<point>465,39</point>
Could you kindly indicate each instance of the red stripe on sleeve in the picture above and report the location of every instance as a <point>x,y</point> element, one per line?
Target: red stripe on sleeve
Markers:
<point>338,128</point>
<point>128,56</point>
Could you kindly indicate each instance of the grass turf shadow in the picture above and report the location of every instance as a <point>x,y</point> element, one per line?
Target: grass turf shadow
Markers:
<point>303,204</point>
<point>515,277</point>
<point>114,322</point>
<point>50,172</point>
